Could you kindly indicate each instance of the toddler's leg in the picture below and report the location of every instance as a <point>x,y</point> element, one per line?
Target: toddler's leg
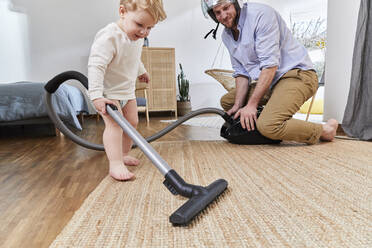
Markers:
<point>113,147</point>
<point>131,114</point>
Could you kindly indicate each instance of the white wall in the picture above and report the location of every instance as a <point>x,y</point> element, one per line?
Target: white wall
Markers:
<point>41,38</point>
<point>59,35</point>
<point>342,21</point>
<point>184,29</point>
<point>13,50</point>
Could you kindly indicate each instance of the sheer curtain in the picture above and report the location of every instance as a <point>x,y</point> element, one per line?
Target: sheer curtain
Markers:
<point>357,121</point>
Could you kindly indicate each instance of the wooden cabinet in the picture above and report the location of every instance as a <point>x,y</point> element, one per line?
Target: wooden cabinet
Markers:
<point>160,64</point>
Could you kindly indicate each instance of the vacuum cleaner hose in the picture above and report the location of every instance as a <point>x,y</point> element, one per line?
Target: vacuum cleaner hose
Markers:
<point>55,82</point>
<point>186,117</point>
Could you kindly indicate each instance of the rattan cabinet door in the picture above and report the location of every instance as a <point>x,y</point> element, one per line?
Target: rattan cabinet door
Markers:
<point>160,64</point>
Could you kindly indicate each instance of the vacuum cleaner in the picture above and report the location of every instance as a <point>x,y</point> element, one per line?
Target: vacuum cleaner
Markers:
<point>200,197</point>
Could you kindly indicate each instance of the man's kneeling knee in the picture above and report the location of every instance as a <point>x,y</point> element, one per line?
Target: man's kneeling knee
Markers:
<point>268,129</point>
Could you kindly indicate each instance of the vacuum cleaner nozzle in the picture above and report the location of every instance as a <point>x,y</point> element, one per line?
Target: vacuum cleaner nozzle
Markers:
<point>200,197</point>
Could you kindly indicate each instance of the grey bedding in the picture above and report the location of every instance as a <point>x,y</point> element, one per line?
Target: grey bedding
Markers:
<point>25,100</point>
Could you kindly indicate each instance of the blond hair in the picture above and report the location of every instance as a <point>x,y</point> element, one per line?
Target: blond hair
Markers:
<point>154,7</point>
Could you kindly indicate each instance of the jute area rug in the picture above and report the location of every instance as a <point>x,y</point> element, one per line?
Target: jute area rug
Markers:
<point>278,196</point>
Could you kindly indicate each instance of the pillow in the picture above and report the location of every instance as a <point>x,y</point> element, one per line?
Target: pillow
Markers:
<point>141,101</point>
<point>317,107</point>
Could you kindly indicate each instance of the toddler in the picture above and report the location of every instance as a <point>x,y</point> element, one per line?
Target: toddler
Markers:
<point>113,67</point>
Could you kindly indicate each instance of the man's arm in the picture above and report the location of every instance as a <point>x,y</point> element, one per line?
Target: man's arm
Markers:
<point>268,52</point>
<point>248,114</point>
<point>242,84</point>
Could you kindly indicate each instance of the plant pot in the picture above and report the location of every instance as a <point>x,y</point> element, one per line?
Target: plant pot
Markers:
<point>183,107</point>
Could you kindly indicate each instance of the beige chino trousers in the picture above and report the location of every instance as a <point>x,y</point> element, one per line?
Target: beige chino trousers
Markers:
<point>281,103</point>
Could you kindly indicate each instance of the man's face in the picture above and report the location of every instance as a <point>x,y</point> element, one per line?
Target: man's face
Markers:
<point>225,14</point>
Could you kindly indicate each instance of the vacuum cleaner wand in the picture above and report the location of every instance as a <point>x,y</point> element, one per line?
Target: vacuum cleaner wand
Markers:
<point>200,197</point>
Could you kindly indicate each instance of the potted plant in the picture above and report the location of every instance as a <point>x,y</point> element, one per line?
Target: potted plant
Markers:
<point>183,102</point>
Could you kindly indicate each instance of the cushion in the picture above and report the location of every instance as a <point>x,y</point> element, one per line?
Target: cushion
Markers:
<point>141,101</point>
<point>317,107</point>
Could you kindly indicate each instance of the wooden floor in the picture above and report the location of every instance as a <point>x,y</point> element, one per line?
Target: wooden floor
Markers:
<point>44,180</point>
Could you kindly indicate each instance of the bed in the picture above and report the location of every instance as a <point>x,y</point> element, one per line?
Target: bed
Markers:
<point>23,111</point>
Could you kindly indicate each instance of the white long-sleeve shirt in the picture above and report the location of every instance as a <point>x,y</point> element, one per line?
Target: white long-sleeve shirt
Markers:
<point>114,64</point>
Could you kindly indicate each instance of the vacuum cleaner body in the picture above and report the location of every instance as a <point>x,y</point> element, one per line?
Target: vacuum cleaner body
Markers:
<point>233,131</point>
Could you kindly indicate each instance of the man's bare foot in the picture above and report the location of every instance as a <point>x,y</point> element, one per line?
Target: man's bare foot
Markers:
<point>130,161</point>
<point>119,172</point>
<point>329,130</point>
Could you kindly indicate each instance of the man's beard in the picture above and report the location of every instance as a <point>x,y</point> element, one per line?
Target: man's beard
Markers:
<point>234,23</point>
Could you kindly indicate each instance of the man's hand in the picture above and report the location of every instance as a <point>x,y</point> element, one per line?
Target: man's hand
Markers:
<point>100,104</point>
<point>144,78</point>
<point>233,110</point>
<point>248,117</point>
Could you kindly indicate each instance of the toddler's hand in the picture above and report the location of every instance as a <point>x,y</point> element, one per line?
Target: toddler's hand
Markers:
<point>100,104</point>
<point>144,78</point>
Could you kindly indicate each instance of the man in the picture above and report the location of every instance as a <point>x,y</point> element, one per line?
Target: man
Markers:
<point>262,48</point>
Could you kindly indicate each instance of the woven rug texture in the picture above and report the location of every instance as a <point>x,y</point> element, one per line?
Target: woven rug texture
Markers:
<point>286,195</point>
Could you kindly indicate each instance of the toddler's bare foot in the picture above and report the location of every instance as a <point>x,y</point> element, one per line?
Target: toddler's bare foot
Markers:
<point>130,161</point>
<point>329,130</point>
<point>119,172</point>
